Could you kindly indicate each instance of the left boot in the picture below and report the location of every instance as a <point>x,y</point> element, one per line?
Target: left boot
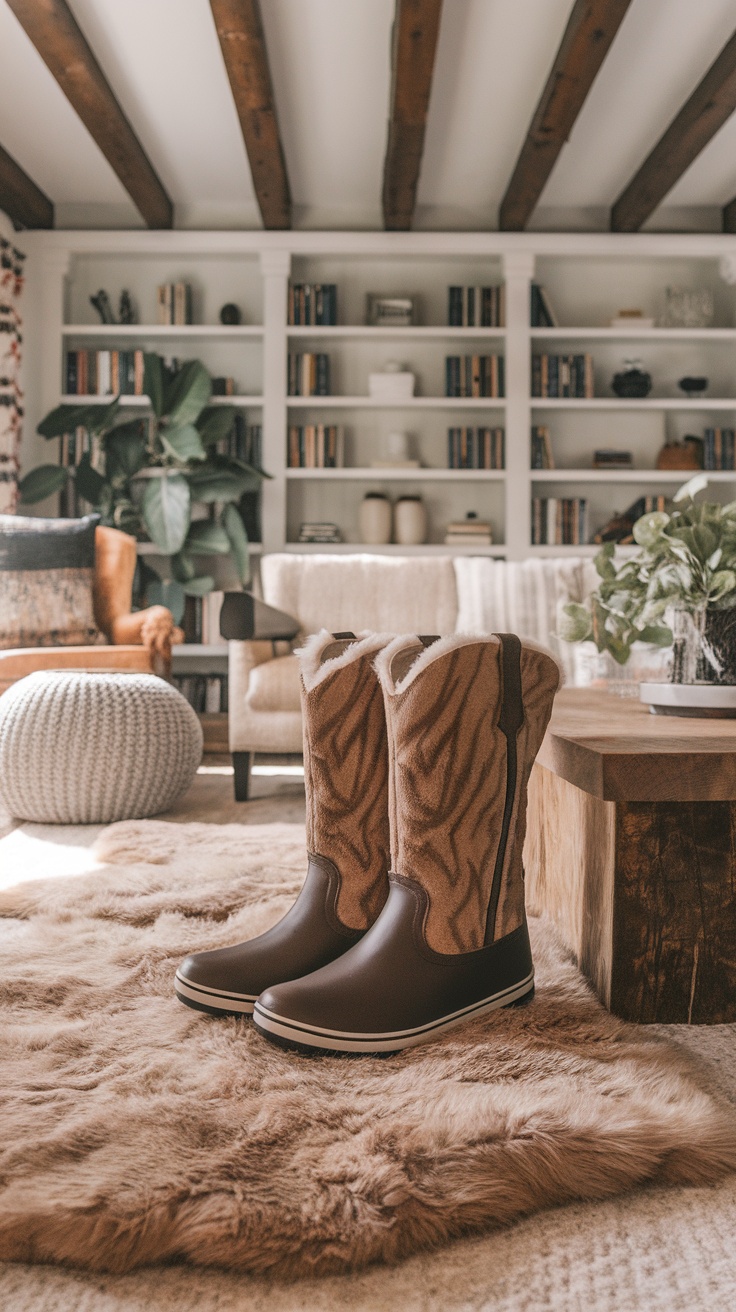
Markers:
<point>465,718</point>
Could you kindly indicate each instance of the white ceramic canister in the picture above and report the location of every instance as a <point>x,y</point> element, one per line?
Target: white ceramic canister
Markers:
<point>410,521</point>
<point>375,519</point>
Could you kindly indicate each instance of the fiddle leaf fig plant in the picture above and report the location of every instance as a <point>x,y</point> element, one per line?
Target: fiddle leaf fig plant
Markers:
<point>147,475</point>
<point>687,560</point>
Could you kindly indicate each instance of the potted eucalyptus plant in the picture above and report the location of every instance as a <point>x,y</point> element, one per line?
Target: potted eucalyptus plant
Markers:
<point>679,590</point>
<point>147,476</point>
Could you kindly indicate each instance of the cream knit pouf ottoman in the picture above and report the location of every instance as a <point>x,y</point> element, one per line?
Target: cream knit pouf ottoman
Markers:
<point>89,748</point>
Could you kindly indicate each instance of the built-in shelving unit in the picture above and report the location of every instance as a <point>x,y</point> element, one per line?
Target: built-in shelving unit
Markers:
<point>588,279</point>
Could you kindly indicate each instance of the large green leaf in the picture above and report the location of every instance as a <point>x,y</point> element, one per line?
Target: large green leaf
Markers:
<point>90,484</point>
<point>65,418</point>
<point>218,485</point>
<point>199,587</point>
<point>166,508</point>
<point>187,395</point>
<point>235,529</point>
<point>153,382</point>
<point>167,593</point>
<point>215,423</point>
<point>183,441</point>
<point>126,450</point>
<point>102,417</point>
<point>205,538</point>
<point>41,483</point>
<point>182,567</point>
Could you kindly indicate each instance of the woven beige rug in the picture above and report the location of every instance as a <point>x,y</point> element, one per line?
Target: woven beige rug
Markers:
<point>135,1131</point>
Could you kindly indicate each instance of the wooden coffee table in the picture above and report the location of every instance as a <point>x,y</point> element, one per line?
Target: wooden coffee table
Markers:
<point>631,850</point>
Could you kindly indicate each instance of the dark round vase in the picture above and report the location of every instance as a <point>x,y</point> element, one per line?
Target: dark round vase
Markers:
<point>632,383</point>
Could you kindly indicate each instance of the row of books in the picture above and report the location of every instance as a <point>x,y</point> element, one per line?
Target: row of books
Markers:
<point>542,314</point>
<point>474,375</point>
<point>206,693</point>
<point>174,303</point>
<point>244,442</point>
<point>201,619</point>
<point>319,531</point>
<point>562,376</point>
<point>316,446</point>
<point>542,456</point>
<point>103,373</point>
<point>559,521</point>
<point>475,448</point>
<point>718,448</point>
<point>313,305</point>
<point>309,374</point>
<point>476,307</point>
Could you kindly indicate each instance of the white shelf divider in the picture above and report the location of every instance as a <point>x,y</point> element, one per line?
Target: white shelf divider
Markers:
<point>415,403</point>
<point>172,331</point>
<point>387,474</point>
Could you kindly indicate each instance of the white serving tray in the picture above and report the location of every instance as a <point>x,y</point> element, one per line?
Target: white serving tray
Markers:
<point>704,699</point>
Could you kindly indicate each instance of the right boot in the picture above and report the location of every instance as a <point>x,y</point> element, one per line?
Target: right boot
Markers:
<point>346,785</point>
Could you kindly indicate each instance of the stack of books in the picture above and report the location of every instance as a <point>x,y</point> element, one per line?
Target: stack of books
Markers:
<point>475,448</point>
<point>319,531</point>
<point>313,305</point>
<point>559,521</point>
<point>474,375</point>
<point>718,448</point>
<point>309,374</point>
<point>542,314</point>
<point>562,376</point>
<point>316,446</point>
<point>609,459</point>
<point>542,456</point>
<point>476,307</point>
<point>174,303</point>
<point>469,532</point>
<point>104,373</point>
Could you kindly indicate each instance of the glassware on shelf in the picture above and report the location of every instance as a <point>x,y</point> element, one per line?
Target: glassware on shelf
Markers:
<point>687,308</point>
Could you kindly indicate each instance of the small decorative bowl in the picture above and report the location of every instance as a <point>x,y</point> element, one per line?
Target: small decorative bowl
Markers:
<point>693,386</point>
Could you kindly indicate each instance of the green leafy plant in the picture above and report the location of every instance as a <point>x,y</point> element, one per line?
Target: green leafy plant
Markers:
<point>147,474</point>
<point>687,560</point>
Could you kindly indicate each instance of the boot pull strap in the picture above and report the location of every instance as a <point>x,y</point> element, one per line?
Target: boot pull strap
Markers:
<point>510,721</point>
<point>427,639</point>
<point>346,634</point>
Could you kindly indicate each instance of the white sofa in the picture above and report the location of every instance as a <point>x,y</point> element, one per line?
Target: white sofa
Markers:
<point>387,594</point>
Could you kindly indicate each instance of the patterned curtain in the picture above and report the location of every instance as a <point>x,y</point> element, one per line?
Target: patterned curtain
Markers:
<point>11,397</point>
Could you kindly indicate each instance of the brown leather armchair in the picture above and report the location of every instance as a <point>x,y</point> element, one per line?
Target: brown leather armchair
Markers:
<point>137,640</point>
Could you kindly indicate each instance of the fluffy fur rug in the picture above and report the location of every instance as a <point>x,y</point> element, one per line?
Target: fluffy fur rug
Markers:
<point>136,1131</point>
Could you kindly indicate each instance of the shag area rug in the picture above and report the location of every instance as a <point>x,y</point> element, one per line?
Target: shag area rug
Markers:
<point>135,1131</point>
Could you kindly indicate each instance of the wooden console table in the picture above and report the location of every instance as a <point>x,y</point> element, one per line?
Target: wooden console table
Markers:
<point>631,850</point>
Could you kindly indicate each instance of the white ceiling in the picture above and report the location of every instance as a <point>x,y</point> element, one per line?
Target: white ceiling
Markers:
<point>330,69</point>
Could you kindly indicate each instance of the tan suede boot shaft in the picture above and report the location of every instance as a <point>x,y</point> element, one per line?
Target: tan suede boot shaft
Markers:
<point>448,780</point>
<point>346,771</point>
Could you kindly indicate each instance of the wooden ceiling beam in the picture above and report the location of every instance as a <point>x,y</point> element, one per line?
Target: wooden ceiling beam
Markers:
<point>712,102</point>
<point>414,45</point>
<point>240,32</point>
<point>20,198</point>
<point>55,33</point>
<point>591,29</point>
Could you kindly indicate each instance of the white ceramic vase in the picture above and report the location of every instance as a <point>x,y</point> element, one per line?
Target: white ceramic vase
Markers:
<point>375,519</point>
<point>410,521</point>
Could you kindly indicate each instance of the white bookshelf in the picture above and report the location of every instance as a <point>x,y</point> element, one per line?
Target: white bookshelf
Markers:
<point>588,279</point>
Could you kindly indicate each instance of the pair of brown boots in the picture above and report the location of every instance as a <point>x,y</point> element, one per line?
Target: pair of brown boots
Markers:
<point>417,755</point>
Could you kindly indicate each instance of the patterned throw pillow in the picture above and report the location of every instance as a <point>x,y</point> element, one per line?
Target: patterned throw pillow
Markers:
<point>46,576</point>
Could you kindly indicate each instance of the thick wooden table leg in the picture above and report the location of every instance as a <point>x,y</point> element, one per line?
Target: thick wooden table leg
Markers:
<point>644,895</point>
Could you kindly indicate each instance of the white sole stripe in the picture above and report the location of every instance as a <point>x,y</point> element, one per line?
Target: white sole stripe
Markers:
<point>210,997</point>
<point>347,1041</point>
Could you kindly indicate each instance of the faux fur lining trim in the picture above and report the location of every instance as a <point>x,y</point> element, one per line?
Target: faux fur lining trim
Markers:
<point>314,670</point>
<point>440,648</point>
